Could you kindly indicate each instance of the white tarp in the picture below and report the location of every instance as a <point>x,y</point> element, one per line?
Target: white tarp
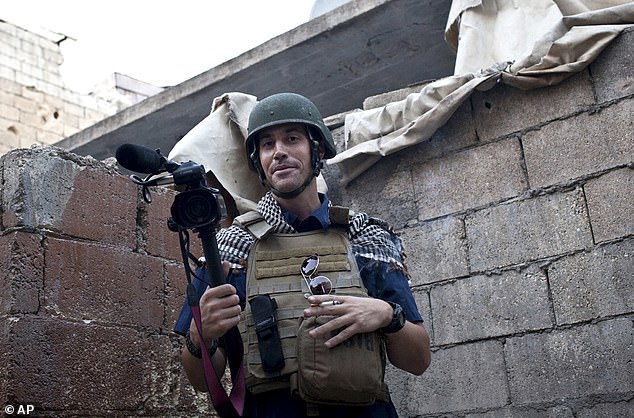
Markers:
<point>217,143</point>
<point>526,44</point>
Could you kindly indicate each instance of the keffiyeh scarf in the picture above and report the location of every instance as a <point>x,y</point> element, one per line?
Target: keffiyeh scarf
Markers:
<point>370,238</point>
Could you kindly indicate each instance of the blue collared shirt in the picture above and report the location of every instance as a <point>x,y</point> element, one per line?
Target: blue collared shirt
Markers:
<point>319,219</point>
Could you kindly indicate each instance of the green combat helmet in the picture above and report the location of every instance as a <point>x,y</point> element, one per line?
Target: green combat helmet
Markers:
<point>284,108</point>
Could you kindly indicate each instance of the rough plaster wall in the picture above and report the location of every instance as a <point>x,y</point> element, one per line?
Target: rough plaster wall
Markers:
<point>517,218</point>
<point>35,106</point>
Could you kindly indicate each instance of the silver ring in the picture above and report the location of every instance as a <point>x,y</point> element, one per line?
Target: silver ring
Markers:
<point>330,303</point>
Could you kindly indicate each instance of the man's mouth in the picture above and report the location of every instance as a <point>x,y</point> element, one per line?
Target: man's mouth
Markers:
<point>281,168</point>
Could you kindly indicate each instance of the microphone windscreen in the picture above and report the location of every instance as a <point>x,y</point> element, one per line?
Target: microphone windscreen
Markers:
<point>139,158</point>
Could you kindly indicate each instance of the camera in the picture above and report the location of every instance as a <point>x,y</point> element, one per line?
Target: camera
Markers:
<point>198,206</point>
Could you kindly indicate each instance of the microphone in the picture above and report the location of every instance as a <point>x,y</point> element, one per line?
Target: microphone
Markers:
<point>143,160</point>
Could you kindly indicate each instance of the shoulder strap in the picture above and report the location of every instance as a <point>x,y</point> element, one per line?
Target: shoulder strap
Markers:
<point>340,215</point>
<point>254,222</point>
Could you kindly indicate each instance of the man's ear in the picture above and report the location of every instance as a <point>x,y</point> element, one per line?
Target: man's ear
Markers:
<point>322,150</point>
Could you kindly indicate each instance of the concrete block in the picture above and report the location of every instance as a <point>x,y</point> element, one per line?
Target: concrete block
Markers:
<point>110,285</point>
<point>9,113</point>
<point>595,284</point>
<point>31,49</point>
<point>73,109</point>
<point>612,410</point>
<point>158,239</point>
<point>8,73</point>
<point>33,94</point>
<point>32,119</point>
<point>612,71</point>
<point>9,62</point>
<point>568,149</point>
<point>53,56</point>
<point>116,369</point>
<point>21,273</point>
<point>8,139</point>
<point>6,99</point>
<point>610,205</point>
<point>10,86</point>
<point>585,361</point>
<point>175,292</point>
<point>32,70</point>
<point>479,383</point>
<point>523,231</point>
<point>389,195</point>
<point>25,105</point>
<point>101,207</point>
<point>458,133</point>
<point>421,296</point>
<point>504,110</point>
<point>561,411</point>
<point>51,189</point>
<point>468,179</point>
<point>489,306</point>
<point>435,250</point>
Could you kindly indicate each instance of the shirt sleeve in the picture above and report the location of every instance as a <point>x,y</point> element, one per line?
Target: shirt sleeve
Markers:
<point>390,284</point>
<point>185,316</point>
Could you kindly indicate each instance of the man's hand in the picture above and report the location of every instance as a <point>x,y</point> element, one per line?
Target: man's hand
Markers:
<point>353,315</point>
<point>220,311</point>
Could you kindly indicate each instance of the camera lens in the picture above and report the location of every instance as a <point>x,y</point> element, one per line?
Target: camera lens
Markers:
<point>195,208</point>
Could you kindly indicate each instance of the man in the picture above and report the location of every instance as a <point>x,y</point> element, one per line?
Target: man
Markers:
<point>286,142</point>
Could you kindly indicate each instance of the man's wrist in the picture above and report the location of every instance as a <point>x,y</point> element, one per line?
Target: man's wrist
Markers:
<point>398,319</point>
<point>196,350</point>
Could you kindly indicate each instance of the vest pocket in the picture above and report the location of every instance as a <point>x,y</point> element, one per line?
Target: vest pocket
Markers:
<point>351,373</point>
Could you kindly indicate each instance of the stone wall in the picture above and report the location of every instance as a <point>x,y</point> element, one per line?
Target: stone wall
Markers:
<point>518,223</point>
<point>518,219</point>
<point>91,286</point>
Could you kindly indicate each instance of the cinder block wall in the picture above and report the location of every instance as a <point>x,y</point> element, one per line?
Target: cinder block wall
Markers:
<point>518,222</point>
<point>91,284</point>
<point>518,218</point>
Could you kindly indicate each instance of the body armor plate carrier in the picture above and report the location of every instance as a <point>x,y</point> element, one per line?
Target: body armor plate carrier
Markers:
<point>278,351</point>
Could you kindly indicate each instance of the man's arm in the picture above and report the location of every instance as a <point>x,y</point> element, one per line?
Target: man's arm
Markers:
<point>409,348</point>
<point>194,366</point>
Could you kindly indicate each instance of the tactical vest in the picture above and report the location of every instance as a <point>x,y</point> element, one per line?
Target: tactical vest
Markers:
<point>273,272</point>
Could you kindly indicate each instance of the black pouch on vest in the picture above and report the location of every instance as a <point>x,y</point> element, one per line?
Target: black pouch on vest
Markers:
<point>263,310</point>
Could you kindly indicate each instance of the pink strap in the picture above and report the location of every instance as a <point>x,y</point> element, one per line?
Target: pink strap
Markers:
<point>226,406</point>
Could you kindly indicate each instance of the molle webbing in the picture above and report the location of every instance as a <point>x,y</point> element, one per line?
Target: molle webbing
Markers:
<point>274,270</point>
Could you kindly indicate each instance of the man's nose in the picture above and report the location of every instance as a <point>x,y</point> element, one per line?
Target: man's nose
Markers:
<point>279,151</point>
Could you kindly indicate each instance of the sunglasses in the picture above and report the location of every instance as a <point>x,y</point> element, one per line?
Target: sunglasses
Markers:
<point>317,285</point>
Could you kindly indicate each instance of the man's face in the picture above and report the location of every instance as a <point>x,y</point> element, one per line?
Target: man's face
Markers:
<point>285,155</point>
